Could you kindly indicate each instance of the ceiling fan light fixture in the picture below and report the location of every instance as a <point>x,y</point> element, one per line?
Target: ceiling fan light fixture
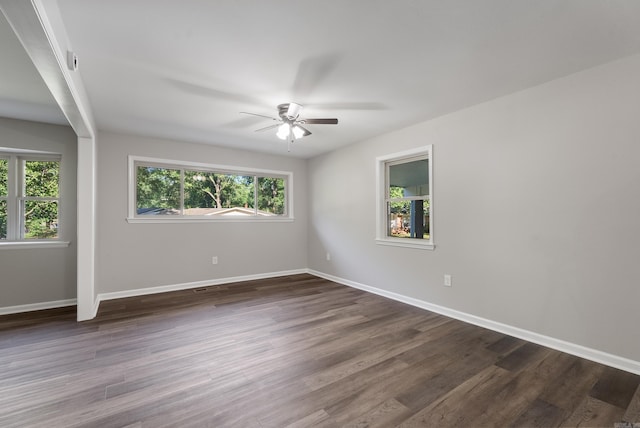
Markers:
<point>289,124</point>
<point>298,132</point>
<point>283,131</point>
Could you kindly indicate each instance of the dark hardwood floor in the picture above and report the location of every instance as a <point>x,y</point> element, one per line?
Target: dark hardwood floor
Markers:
<point>291,352</point>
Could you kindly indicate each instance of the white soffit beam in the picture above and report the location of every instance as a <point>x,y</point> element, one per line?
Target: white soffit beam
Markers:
<point>33,28</point>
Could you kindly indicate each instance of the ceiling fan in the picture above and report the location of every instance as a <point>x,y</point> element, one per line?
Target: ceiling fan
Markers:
<point>290,124</point>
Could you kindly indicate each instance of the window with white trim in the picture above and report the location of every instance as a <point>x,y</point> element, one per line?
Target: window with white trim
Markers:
<point>29,196</point>
<point>405,199</point>
<point>162,190</point>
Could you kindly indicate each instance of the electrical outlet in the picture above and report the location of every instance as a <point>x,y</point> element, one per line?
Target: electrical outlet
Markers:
<point>447,280</point>
<point>214,260</point>
<point>328,256</point>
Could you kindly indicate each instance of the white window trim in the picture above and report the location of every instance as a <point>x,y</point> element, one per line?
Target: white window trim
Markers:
<point>32,244</point>
<point>381,206</point>
<point>132,216</point>
<point>12,242</point>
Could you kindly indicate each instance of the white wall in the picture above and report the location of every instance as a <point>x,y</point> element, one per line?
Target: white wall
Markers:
<point>33,276</point>
<point>132,256</point>
<point>536,211</point>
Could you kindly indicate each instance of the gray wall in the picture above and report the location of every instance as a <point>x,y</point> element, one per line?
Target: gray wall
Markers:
<point>536,211</point>
<point>133,256</point>
<point>29,276</point>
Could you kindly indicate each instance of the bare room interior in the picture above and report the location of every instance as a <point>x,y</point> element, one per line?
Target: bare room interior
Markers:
<point>293,214</point>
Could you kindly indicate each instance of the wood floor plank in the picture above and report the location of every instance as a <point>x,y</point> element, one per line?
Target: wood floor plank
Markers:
<point>381,416</point>
<point>569,389</point>
<point>520,393</point>
<point>541,414</point>
<point>375,351</point>
<point>615,387</point>
<point>336,396</point>
<point>633,411</point>
<point>521,357</point>
<point>594,413</point>
<point>505,345</point>
<point>452,409</point>
<point>319,418</point>
<point>294,351</point>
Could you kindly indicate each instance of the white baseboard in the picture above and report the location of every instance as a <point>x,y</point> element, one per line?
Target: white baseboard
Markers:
<point>144,291</point>
<point>37,306</point>
<point>550,342</point>
<point>188,285</point>
<point>96,305</point>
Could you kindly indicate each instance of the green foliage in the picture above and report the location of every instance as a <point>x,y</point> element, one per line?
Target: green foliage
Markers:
<point>210,190</point>
<point>397,207</point>
<point>41,219</point>
<point>3,219</point>
<point>271,195</point>
<point>4,171</point>
<point>39,198</point>
<point>401,207</point>
<point>41,179</point>
<point>158,188</point>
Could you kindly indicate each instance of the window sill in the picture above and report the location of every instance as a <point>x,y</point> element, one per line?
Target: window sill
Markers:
<point>406,244</point>
<point>170,219</point>
<point>20,245</point>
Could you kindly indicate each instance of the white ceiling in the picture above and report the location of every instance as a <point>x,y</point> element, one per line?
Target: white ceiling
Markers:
<point>185,69</point>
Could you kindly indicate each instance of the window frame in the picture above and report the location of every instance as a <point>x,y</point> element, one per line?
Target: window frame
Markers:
<point>135,161</point>
<point>16,198</point>
<point>382,197</point>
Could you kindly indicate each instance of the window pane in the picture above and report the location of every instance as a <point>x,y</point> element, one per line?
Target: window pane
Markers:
<point>41,178</point>
<point>40,219</point>
<point>4,165</point>
<point>157,191</point>
<point>3,219</point>
<point>210,194</point>
<point>270,196</point>
<point>412,177</point>
<point>408,216</point>
<point>409,219</point>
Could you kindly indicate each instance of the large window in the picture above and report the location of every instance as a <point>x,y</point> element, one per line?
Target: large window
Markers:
<point>405,201</point>
<point>29,197</point>
<point>164,190</point>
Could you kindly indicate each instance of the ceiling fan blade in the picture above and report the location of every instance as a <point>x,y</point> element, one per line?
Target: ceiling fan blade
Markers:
<point>256,114</point>
<point>208,92</point>
<point>311,72</point>
<point>319,121</point>
<point>348,106</point>
<point>266,128</point>
<point>305,131</point>
<point>244,122</point>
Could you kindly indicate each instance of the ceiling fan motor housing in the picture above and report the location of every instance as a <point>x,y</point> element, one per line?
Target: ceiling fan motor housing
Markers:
<point>289,111</point>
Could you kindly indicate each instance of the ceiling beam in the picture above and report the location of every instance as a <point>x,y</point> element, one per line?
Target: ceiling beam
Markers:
<point>34,27</point>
